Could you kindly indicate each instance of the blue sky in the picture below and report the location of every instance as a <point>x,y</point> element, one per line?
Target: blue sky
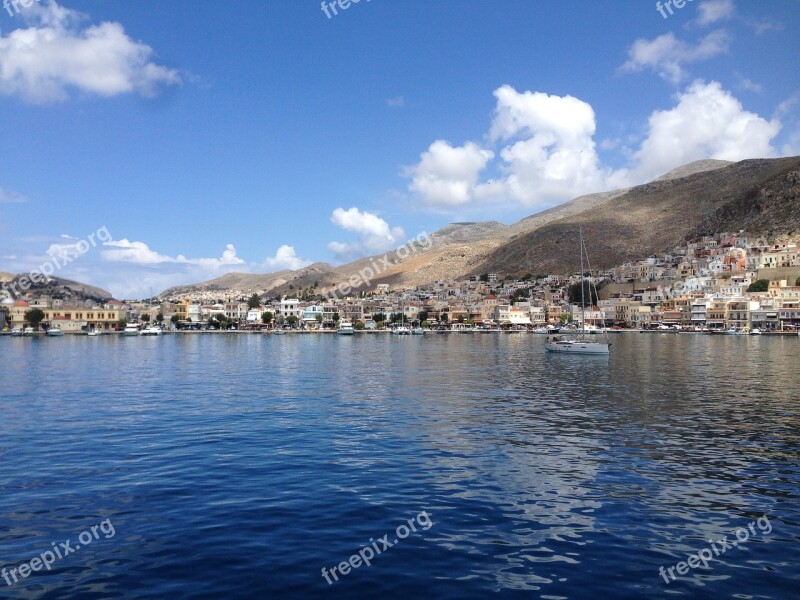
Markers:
<point>210,137</point>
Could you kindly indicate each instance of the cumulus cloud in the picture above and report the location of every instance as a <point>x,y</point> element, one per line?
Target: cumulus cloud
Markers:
<point>548,154</point>
<point>141,254</point>
<point>447,175</point>
<point>55,54</point>
<point>398,102</point>
<point>712,11</point>
<point>286,258</point>
<point>374,234</point>
<point>666,54</point>
<point>707,122</point>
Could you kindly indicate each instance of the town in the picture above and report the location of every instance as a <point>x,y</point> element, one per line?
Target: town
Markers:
<point>729,283</point>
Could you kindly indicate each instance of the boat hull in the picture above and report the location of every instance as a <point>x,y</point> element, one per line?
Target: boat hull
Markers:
<point>577,347</point>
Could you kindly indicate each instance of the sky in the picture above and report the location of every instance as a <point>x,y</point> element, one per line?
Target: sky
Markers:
<point>148,144</point>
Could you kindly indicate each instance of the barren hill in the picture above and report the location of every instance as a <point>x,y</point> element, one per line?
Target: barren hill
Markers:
<point>760,196</point>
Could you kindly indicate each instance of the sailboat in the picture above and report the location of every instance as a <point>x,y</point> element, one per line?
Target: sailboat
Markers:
<point>402,329</point>
<point>583,343</point>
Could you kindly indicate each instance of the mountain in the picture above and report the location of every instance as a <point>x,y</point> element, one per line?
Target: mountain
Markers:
<point>60,288</point>
<point>707,196</point>
<point>759,196</point>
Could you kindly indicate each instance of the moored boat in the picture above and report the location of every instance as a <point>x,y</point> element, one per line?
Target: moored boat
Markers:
<point>581,343</point>
<point>346,328</point>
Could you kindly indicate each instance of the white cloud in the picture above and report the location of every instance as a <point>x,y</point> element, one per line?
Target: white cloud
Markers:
<point>42,62</point>
<point>11,197</point>
<point>374,234</point>
<point>141,254</point>
<point>398,102</point>
<point>707,122</point>
<point>666,54</point>
<point>548,154</point>
<point>712,11</point>
<point>285,258</point>
<point>447,175</point>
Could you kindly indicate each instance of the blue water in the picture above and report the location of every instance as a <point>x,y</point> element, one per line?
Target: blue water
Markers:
<point>240,466</point>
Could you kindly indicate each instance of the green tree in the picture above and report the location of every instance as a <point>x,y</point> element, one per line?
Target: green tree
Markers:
<point>266,317</point>
<point>565,318</point>
<point>422,315</point>
<point>174,319</point>
<point>379,317</point>
<point>144,318</point>
<point>254,302</point>
<point>160,317</point>
<point>762,285</point>
<point>292,320</point>
<point>336,317</point>
<point>425,325</point>
<point>484,277</point>
<point>359,325</point>
<point>589,293</point>
<point>797,283</point>
<point>34,316</point>
<point>122,323</point>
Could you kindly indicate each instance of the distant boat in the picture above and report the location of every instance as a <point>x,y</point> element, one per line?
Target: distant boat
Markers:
<point>130,330</point>
<point>581,344</point>
<point>346,328</point>
<point>151,330</point>
<point>55,332</point>
<point>16,332</point>
<point>756,331</point>
<point>417,331</point>
<point>94,333</point>
<point>29,331</point>
<point>401,330</point>
<point>279,331</point>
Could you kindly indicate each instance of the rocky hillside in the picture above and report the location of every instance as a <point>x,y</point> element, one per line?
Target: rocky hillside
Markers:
<point>760,196</point>
<point>60,289</point>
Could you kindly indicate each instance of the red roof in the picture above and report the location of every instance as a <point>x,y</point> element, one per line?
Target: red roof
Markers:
<point>20,304</point>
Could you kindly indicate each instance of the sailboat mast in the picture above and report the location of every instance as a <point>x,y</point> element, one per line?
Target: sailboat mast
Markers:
<point>583,299</point>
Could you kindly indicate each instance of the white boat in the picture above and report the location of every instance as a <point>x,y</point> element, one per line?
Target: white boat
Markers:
<point>582,343</point>
<point>401,330</point>
<point>346,328</point>
<point>151,330</point>
<point>756,331</point>
<point>16,332</point>
<point>131,329</point>
<point>94,333</point>
<point>55,332</point>
<point>29,331</point>
<point>417,331</point>
<point>279,331</point>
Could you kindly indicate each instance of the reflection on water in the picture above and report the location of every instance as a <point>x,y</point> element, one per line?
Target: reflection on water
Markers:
<point>239,466</point>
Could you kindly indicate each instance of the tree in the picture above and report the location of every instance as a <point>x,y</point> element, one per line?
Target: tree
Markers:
<point>336,317</point>
<point>359,325</point>
<point>254,302</point>
<point>34,316</point>
<point>145,318</point>
<point>122,323</point>
<point>484,277</point>
<point>174,319</point>
<point>379,317</point>
<point>797,283</point>
<point>292,320</point>
<point>425,324</point>
<point>422,315</point>
<point>266,317</point>
<point>589,293</point>
<point>160,317</point>
<point>762,285</point>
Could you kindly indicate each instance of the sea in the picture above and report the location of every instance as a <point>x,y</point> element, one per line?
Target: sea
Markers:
<point>376,466</point>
